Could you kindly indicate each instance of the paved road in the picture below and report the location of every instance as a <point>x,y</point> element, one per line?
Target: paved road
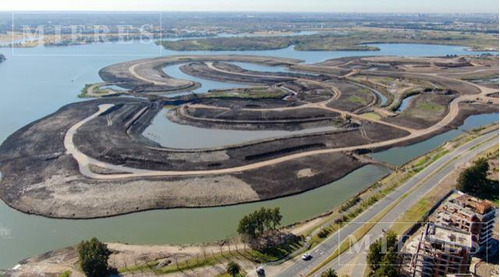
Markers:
<point>324,250</point>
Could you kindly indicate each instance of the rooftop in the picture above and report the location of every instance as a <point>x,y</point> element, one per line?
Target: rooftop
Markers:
<point>447,235</point>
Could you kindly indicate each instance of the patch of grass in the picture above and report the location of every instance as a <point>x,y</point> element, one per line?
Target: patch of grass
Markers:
<point>254,93</point>
<point>372,115</point>
<point>414,214</point>
<point>430,107</point>
<point>66,273</point>
<point>357,99</point>
<point>276,253</point>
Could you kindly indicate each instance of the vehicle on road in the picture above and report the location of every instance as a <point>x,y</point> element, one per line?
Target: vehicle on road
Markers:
<point>306,256</point>
<point>260,271</point>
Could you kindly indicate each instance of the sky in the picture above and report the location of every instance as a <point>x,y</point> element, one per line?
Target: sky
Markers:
<point>361,6</point>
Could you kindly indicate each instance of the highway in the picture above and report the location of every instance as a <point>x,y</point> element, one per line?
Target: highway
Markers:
<point>325,249</point>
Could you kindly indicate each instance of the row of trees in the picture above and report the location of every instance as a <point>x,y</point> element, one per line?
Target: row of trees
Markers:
<point>383,256</point>
<point>259,221</point>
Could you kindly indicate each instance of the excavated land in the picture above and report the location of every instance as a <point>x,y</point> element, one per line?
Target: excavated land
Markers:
<point>90,159</point>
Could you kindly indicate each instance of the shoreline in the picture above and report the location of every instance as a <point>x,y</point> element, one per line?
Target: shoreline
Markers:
<point>233,241</point>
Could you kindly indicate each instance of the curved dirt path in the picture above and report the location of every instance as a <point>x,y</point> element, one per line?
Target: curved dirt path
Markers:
<point>84,161</point>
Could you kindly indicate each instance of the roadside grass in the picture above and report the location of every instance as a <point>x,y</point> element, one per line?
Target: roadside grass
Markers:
<point>275,253</point>
<point>212,259</point>
<point>413,215</point>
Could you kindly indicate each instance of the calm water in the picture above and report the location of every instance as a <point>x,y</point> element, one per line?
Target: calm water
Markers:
<point>405,103</point>
<point>38,81</point>
<point>172,135</point>
<point>401,155</point>
<point>206,85</point>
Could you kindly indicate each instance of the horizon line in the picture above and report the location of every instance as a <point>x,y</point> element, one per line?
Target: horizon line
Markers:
<point>249,11</point>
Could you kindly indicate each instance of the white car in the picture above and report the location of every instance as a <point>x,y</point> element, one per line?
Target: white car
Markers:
<point>306,256</point>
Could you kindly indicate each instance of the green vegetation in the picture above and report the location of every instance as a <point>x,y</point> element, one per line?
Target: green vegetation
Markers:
<point>346,39</point>
<point>233,269</point>
<point>93,257</point>
<point>96,90</point>
<point>413,215</point>
<point>474,180</point>
<point>228,44</point>
<point>256,223</point>
<point>66,273</point>
<point>382,256</point>
<point>384,187</point>
<point>425,160</point>
<point>275,252</point>
<point>372,115</point>
<point>329,273</point>
<point>430,107</point>
<point>398,100</point>
<point>249,93</point>
<point>357,99</point>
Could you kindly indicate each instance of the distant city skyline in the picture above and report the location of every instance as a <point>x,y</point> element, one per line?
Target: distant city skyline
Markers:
<point>361,6</point>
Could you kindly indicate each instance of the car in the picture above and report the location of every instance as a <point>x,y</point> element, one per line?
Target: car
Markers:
<point>260,271</point>
<point>306,256</point>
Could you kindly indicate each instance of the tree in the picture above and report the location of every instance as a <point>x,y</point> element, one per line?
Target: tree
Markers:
<point>329,273</point>
<point>247,227</point>
<point>374,256</point>
<point>233,268</point>
<point>258,222</point>
<point>276,217</point>
<point>389,265</point>
<point>94,256</point>
<point>473,180</point>
<point>382,256</point>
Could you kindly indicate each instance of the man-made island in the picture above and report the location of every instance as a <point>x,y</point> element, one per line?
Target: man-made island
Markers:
<point>91,159</point>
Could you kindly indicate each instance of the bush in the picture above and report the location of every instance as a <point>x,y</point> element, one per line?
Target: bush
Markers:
<point>323,233</point>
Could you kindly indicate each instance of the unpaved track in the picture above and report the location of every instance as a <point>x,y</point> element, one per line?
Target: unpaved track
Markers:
<point>84,161</point>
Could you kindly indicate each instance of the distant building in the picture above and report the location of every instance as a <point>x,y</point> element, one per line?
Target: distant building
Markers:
<point>471,215</point>
<point>441,251</point>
